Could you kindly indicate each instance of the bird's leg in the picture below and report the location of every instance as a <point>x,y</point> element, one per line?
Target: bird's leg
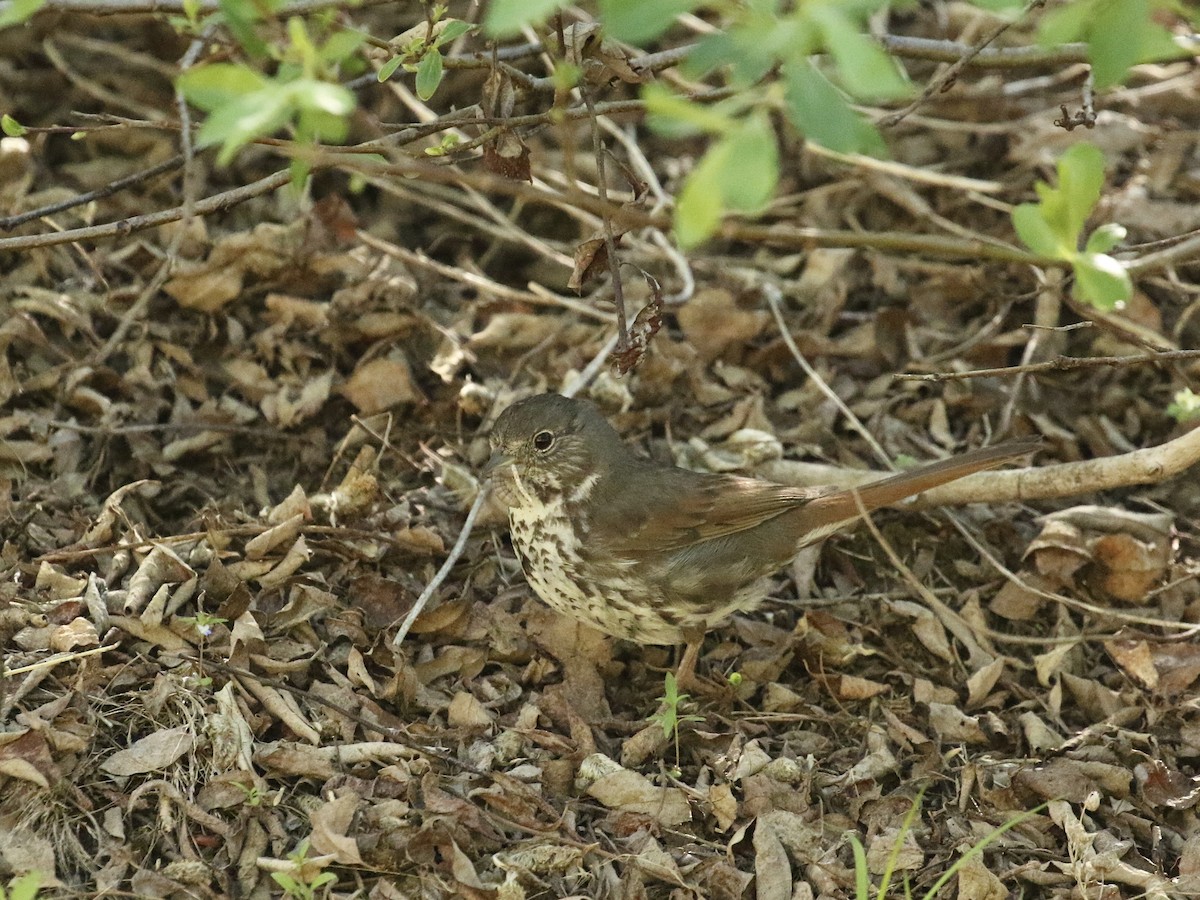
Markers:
<point>685,672</point>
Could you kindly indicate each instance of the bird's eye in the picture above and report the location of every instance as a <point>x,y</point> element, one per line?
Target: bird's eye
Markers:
<point>543,441</point>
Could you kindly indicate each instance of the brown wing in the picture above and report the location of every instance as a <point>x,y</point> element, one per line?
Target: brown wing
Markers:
<point>665,510</point>
<point>660,510</point>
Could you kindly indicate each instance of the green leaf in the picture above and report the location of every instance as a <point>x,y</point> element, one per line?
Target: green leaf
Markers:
<point>1080,181</point>
<point>862,66</point>
<point>311,93</point>
<point>217,84</point>
<point>676,116</point>
<point>340,46</point>
<point>429,74</point>
<point>24,887</point>
<point>750,167</point>
<point>817,109</point>
<point>11,126</point>
<point>240,19</point>
<point>1115,38</point>
<point>1186,407</point>
<point>388,69</point>
<point>453,30</point>
<point>636,21</point>
<point>1105,238</point>
<point>20,11</point>
<point>506,18</point>
<point>1066,23</point>
<point>1035,232</point>
<point>1102,281</point>
<point>240,121</point>
<point>699,208</point>
<point>1000,6</point>
<point>710,52</point>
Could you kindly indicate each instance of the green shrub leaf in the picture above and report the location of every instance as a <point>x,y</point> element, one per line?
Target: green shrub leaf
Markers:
<point>217,84</point>
<point>817,109</point>
<point>750,166</point>
<point>506,18</point>
<point>429,74</point>
<point>636,21</point>
<point>1102,281</point>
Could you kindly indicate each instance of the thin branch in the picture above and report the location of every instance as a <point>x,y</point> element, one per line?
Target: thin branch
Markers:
<point>123,227</point>
<point>1058,364</point>
<point>1152,465</point>
<point>947,78</point>
<point>986,57</point>
<point>455,552</point>
<point>772,295</point>
<point>10,222</point>
<point>181,7</point>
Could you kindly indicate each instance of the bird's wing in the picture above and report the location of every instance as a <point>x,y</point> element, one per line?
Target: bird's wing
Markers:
<point>701,507</point>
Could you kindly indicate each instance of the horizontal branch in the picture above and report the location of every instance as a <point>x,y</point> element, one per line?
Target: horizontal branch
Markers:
<point>1150,466</point>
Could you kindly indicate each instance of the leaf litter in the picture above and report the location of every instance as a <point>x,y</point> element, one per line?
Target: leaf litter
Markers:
<point>216,523</point>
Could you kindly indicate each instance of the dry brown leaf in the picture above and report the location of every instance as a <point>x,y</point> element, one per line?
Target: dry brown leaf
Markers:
<point>622,789</point>
<point>331,822</point>
<point>772,869</point>
<point>382,384</point>
<point>713,322</point>
<point>152,753</point>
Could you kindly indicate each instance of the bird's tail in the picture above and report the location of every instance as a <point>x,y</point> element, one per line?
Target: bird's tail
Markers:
<point>834,511</point>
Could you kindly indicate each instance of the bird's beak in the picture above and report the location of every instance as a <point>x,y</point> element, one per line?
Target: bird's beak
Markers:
<point>499,459</point>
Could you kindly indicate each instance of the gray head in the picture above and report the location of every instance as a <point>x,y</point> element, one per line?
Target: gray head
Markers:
<point>552,443</point>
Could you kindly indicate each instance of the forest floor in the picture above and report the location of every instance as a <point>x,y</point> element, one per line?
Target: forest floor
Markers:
<point>237,447</point>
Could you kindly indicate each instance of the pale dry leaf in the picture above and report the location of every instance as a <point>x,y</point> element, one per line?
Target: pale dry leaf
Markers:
<point>152,753</point>
<point>466,711</point>
<point>1135,659</point>
<point>852,687</point>
<point>79,632</point>
<point>232,739</point>
<point>772,869</point>
<point>977,882</point>
<point>515,331</point>
<point>1018,601</point>
<point>265,542</point>
<point>1052,662</point>
<point>161,566</point>
<point>623,789</point>
<point>954,726</point>
<point>292,403</point>
<point>646,742</point>
<point>884,855</point>
<point>980,683</point>
<point>54,584</point>
<point>1092,698</point>
<point>298,554</point>
<point>295,504</point>
<point>723,804</point>
<point>330,823</point>
<point>713,322</point>
<point>382,384</point>
<point>1038,735</point>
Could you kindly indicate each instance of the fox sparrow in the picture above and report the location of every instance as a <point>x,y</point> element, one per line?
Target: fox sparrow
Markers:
<point>654,553</point>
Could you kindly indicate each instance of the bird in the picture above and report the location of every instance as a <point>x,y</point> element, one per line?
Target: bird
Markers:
<point>654,553</point>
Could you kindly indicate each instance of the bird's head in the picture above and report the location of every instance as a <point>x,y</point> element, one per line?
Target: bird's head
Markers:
<point>551,446</point>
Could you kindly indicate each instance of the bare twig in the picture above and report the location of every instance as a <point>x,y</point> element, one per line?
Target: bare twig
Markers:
<point>610,243</point>
<point>123,227</point>
<point>984,57</point>
<point>455,552</point>
<point>1058,364</point>
<point>10,222</point>
<point>771,293</point>
<point>1150,466</point>
<point>947,77</point>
